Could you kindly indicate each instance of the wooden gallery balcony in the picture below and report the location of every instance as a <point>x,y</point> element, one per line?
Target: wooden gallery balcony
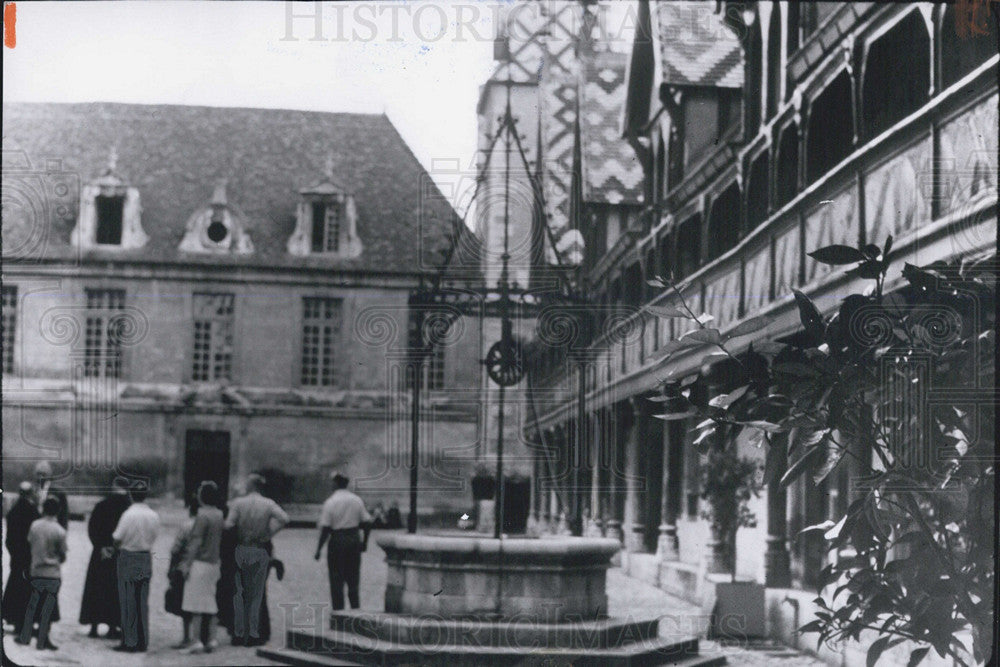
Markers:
<point>930,181</point>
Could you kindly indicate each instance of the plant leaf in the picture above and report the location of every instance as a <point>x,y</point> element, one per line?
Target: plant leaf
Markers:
<point>876,649</point>
<point>725,400</point>
<point>887,247</point>
<point>809,314</point>
<point>674,416</point>
<point>710,336</point>
<point>767,427</point>
<point>749,326</point>
<point>837,254</point>
<point>917,655</point>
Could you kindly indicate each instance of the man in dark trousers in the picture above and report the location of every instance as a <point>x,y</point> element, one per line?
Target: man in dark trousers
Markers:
<point>18,591</point>
<point>256,520</point>
<point>48,552</point>
<point>343,518</point>
<point>100,590</point>
<point>134,537</point>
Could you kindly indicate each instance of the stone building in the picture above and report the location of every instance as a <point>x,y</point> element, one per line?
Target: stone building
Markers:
<point>202,292</point>
<point>765,130</point>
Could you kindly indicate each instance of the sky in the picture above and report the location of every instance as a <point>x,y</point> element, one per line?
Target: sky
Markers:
<point>420,65</point>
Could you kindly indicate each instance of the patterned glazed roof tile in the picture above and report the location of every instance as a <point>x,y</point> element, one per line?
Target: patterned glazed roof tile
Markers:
<point>611,171</point>
<point>696,47</point>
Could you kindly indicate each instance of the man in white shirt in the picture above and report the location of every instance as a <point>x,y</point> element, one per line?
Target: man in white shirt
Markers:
<point>134,536</point>
<point>343,515</point>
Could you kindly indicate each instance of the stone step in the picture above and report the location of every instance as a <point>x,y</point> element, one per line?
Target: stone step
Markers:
<point>368,651</point>
<point>427,632</point>
<point>289,656</point>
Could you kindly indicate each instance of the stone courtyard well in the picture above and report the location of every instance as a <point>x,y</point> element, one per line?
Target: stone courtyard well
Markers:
<point>546,580</point>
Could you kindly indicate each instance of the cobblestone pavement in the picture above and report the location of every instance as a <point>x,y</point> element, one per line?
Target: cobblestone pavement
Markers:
<point>302,599</point>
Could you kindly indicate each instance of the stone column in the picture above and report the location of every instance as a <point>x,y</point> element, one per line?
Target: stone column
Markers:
<point>777,570</point>
<point>666,544</point>
<point>634,527</point>
<point>616,472</point>
<point>593,527</point>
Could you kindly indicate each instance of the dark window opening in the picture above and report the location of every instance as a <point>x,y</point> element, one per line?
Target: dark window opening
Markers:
<point>666,261</point>
<point>675,157</point>
<point>757,186</point>
<point>787,185</point>
<point>774,67</point>
<point>660,174</point>
<point>688,247</point>
<point>724,222</point>
<point>961,55</point>
<point>753,84</point>
<point>325,227</point>
<point>831,128</point>
<point>632,285</point>
<point>792,36</point>
<point>110,212</point>
<point>652,269</point>
<point>894,86</point>
<point>217,229</point>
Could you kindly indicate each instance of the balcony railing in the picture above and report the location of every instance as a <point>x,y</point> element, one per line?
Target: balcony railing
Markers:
<point>933,170</point>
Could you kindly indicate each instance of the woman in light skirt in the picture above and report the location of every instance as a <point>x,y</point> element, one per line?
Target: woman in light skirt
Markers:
<point>201,567</point>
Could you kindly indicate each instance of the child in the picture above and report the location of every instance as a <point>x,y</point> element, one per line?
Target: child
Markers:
<point>48,552</point>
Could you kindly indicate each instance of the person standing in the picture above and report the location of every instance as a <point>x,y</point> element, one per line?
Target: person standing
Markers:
<point>201,566</point>
<point>134,537</point>
<point>44,489</point>
<point>100,590</point>
<point>342,518</point>
<point>174,595</point>
<point>48,552</point>
<point>18,591</point>
<point>256,520</point>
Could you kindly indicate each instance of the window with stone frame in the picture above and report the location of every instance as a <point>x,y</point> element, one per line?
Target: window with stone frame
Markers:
<point>110,219</point>
<point>432,371</point>
<point>321,323</point>
<point>9,326</point>
<point>325,226</point>
<point>102,333</point>
<point>212,348</point>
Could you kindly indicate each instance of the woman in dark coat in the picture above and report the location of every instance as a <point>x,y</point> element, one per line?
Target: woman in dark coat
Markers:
<point>100,591</point>
<point>18,590</point>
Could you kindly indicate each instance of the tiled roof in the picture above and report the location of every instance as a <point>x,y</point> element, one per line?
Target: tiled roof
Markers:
<point>696,47</point>
<point>175,154</point>
<point>612,173</point>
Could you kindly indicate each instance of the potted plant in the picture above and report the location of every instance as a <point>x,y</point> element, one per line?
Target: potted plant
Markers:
<point>484,488</point>
<point>736,608</point>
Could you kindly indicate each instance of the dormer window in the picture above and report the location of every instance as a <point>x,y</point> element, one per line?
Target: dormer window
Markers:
<point>326,226</point>
<point>109,212</point>
<point>326,221</point>
<point>217,228</point>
